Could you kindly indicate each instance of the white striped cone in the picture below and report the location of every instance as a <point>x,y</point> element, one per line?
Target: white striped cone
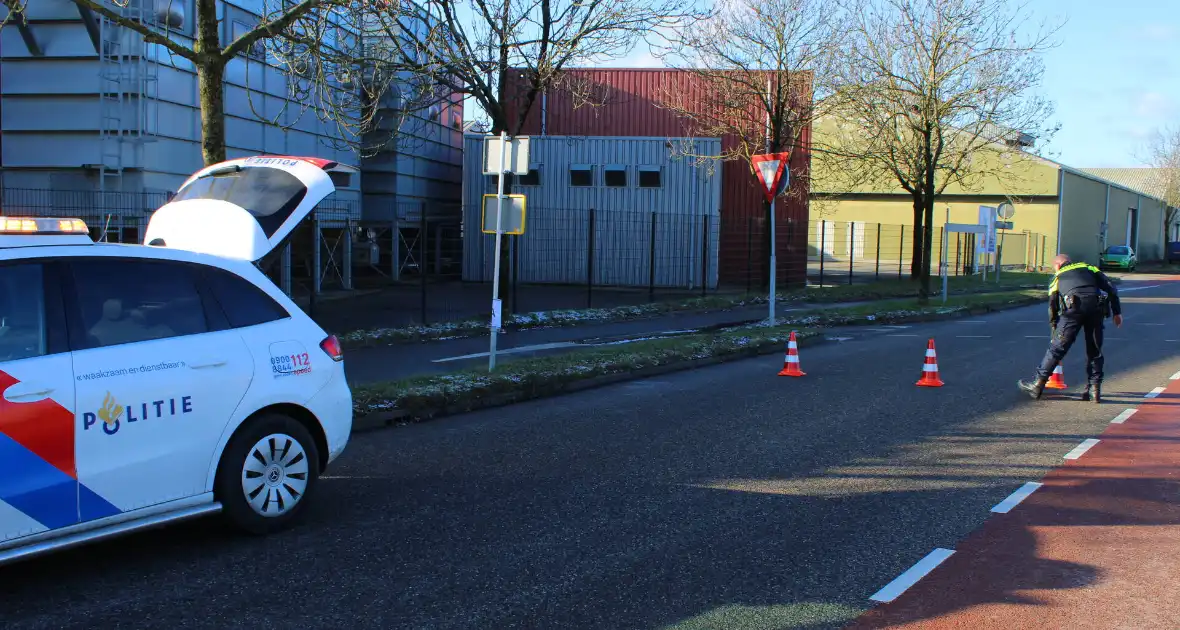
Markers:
<point>930,368</point>
<point>791,360</point>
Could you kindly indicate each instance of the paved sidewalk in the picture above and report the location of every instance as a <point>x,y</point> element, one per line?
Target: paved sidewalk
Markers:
<point>1096,546</point>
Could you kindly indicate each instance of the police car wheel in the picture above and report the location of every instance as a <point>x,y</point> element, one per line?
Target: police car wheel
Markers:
<point>266,473</point>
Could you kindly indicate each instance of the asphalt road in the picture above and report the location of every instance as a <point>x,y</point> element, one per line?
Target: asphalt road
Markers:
<point>723,497</point>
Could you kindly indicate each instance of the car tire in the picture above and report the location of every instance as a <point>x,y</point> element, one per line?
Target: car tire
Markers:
<point>266,474</point>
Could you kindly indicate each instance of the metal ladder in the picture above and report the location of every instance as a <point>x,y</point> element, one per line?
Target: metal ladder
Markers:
<point>128,87</point>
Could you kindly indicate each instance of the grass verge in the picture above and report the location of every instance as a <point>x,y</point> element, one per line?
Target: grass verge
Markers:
<point>427,396</point>
<point>573,317</point>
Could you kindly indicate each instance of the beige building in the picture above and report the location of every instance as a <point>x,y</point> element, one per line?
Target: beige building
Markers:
<point>1059,209</point>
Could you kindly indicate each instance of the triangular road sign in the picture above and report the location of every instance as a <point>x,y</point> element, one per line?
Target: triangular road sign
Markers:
<point>770,168</point>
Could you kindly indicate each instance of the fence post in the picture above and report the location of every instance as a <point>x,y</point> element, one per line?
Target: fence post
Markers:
<point>851,248</point>
<point>877,273</point>
<point>958,253</point>
<point>316,262</point>
<point>651,262</point>
<point>423,228</point>
<point>348,253</point>
<point>749,252</point>
<point>705,256</point>
<point>316,247</point>
<point>941,234</point>
<point>823,241</point>
<point>515,273</point>
<point>1044,245</point>
<point>901,252</point>
<point>590,264</point>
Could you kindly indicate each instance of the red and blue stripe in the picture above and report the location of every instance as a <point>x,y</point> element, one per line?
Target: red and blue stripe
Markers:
<point>38,475</point>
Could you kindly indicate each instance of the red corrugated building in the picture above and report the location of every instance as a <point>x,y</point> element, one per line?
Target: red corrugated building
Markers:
<point>625,102</point>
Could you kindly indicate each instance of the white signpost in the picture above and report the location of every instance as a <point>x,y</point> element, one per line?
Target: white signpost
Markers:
<point>1003,213</point>
<point>518,148</point>
<point>962,228</point>
<point>775,177</point>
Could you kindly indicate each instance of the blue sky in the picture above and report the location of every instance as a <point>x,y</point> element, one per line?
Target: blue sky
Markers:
<point>1114,77</point>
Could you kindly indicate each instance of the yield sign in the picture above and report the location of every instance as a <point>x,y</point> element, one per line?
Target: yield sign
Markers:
<point>770,168</point>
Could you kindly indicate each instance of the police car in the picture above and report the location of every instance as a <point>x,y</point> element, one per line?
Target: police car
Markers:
<point>146,384</point>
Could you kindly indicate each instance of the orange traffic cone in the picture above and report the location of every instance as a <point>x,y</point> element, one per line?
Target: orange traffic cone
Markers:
<point>1057,379</point>
<point>930,369</point>
<point>791,360</point>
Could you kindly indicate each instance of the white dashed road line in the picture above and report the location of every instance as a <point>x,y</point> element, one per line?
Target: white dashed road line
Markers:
<point>973,336</point>
<point>903,582</point>
<point>1176,376</point>
<point>1139,288</point>
<point>1014,499</point>
<point>1153,393</point>
<point>1124,416</point>
<point>1081,449</point>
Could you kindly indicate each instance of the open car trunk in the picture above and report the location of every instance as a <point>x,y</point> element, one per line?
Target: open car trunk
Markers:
<point>243,208</point>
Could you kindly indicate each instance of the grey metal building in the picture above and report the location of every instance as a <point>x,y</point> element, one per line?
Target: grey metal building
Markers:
<point>87,107</point>
<point>619,211</point>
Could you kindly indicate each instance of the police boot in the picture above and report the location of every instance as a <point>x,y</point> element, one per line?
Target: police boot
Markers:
<point>1034,388</point>
<point>1093,392</point>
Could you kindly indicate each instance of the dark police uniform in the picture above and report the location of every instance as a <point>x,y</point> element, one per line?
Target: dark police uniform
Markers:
<point>1080,298</point>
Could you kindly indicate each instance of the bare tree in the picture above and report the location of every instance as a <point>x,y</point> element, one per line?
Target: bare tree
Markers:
<point>15,11</point>
<point>503,54</point>
<point>752,68</point>
<point>343,64</point>
<point>207,53</point>
<point>473,47</point>
<point>934,93</point>
<point>1165,158</point>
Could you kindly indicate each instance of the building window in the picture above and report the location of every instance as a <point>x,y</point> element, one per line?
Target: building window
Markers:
<point>257,50</point>
<point>615,176</point>
<point>649,177</point>
<point>533,178</point>
<point>581,175</point>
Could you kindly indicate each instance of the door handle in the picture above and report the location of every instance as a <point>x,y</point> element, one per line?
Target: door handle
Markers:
<point>202,366</point>
<point>9,395</point>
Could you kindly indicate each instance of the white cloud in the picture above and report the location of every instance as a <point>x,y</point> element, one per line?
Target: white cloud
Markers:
<point>641,57</point>
<point>1154,105</point>
<point>1161,32</point>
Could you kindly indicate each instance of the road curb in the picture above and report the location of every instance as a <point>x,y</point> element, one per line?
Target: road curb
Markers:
<point>481,331</point>
<point>380,420</point>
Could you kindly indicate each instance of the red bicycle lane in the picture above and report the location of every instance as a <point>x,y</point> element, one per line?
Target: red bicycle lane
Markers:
<point>1097,545</point>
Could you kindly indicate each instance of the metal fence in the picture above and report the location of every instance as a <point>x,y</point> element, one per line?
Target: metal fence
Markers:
<point>378,263</point>
<point>581,258</point>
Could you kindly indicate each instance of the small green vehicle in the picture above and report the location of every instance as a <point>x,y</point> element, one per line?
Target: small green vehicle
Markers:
<point>1118,257</point>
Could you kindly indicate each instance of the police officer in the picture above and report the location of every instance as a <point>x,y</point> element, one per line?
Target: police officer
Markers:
<point>1080,298</point>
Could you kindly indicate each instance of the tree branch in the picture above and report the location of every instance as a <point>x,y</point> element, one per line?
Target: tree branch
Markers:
<point>150,36</point>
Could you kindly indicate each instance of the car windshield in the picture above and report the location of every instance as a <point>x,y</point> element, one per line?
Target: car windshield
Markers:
<point>1118,251</point>
<point>270,194</point>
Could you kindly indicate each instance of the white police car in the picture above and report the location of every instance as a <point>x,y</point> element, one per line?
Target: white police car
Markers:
<point>141,385</point>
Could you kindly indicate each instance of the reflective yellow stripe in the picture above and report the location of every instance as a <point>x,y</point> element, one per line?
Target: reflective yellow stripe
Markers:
<point>1070,267</point>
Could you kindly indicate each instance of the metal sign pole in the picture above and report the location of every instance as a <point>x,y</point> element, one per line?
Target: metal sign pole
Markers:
<point>773,263</point>
<point>499,236</point>
<point>945,258</point>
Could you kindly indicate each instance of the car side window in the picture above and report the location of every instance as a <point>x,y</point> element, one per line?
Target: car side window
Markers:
<point>22,312</point>
<point>243,303</point>
<point>128,301</point>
